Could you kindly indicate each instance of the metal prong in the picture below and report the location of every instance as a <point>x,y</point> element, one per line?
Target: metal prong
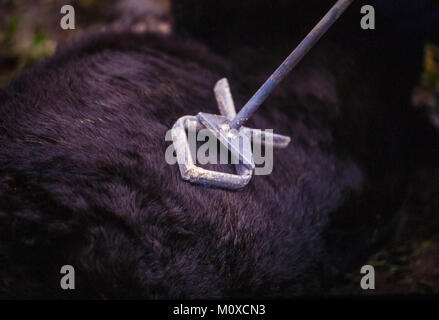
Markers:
<point>227,109</point>
<point>267,138</point>
<point>224,99</point>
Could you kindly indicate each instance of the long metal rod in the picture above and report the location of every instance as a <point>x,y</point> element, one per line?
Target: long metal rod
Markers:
<point>293,59</point>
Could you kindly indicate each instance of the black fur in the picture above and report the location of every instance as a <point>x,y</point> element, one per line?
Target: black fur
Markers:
<point>83,179</point>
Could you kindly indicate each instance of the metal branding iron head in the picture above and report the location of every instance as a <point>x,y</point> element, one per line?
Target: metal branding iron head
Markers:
<point>228,127</point>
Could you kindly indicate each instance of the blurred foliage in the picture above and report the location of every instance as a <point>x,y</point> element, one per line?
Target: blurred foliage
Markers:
<point>27,36</point>
<point>10,31</point>
<point>17,50</point>
<point>15,58</point>
<point>430,76</point>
